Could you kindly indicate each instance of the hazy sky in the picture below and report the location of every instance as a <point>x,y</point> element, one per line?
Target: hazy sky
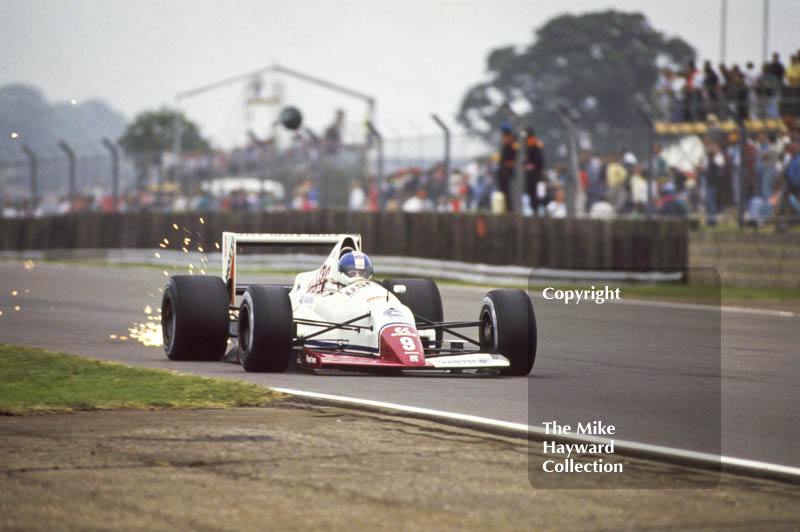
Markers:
<point>415,57</point>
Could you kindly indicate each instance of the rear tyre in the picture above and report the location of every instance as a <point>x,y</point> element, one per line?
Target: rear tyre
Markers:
<point>265,329</point>
<point>423,298</point>
<point>508,327</point>
<point>194,318</point>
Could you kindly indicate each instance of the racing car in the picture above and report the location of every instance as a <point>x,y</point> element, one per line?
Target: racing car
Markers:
<point>338,317</point>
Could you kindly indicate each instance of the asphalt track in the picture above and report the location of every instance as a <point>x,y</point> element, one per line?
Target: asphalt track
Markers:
<point>653,371</point>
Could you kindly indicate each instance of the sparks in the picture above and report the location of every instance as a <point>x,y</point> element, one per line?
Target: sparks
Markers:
<point>162,245</point>
<point>14,135</point>
<point>73,101</point>
<point>157,254</point>
<point>202,221</point>
<point>166,241</point>
<point>112,336</point>
<point>186,241</point>
<point>148,333</point>
<point>29,265</point>
<point>166,273</point>
<point>184,249</point>
<point>216,245</point>
<point>16,308</point>
<point>14,292</point>
<point>26,292</point>
<point>200,249</point>
<point>1,312</point>
<point>175,226</point>
<point>148,309</point>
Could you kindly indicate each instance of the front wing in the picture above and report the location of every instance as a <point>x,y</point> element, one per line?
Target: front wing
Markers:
<point>322,359</point>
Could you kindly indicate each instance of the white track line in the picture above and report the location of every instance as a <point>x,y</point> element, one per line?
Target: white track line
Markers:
<point>690,306</point>
<point>727,463</point>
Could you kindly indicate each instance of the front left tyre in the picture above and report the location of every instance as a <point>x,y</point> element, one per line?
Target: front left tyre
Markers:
<point>265,329</point>
<point>508,326</point>
<point>194,318</point>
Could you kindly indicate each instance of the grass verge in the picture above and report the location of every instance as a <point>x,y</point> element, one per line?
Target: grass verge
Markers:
<point>37,381</point>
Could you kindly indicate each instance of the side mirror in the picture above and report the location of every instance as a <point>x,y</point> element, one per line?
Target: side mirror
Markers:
<point>399,289</point>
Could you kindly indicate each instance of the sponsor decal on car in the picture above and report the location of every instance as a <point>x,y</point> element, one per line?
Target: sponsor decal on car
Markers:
<point>392,312</point>
<point>403,331</point>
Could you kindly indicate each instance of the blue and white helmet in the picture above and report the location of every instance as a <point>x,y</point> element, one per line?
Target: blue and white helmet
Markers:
<point>355,266</point>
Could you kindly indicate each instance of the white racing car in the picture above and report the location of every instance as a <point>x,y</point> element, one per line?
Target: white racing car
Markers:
<point>339,317</point>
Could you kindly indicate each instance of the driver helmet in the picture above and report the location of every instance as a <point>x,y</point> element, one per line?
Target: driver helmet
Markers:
<point>354,266</point>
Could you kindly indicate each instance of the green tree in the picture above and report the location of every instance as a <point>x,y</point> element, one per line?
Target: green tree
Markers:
<point>597,65</point>
<point>153,132</point>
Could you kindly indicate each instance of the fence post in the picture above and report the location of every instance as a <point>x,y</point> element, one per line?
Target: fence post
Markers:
<point>446,146</point>
<point>71,157</point>
<point>34,192</point>
<point>572,149</point>
<point>114,171</point>
<point>318,150</point>
<point>650,141</point>
<point>374,132</point>
<point>740,173</point>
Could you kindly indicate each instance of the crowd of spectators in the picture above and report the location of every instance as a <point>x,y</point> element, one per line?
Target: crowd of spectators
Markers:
<point>691,94</point>
<point>610,184</point>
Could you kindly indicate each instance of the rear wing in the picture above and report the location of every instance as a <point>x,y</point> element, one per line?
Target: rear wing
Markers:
<point>231,242</point>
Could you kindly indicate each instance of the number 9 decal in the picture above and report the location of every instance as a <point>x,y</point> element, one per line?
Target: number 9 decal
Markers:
<point>408,343</point>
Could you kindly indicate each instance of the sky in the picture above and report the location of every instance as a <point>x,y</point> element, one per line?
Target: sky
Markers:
<point>414,57</point>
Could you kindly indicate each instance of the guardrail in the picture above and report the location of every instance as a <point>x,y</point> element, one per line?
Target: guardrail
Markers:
<point>508,240</point>
<point>385,265</point>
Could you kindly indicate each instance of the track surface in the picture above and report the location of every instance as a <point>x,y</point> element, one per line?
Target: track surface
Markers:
<point>644,368</point>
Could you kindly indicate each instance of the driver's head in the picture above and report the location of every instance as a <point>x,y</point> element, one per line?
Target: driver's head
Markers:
<point>355,266</point>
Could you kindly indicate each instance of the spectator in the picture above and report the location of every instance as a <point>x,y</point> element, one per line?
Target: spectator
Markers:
<point>534,164</point>
<point>557,208</point>
<point>333,133</point>
<point>751,84</point>
<point>357,198</point>
<point>670,204</point>
<point>663,92</point>
<point>678,88</point>
<point>713,168</point>
<point>629,160</point>
<point>768,89</point>
<point>790,200</point>
<point>694,80</point>
<point>508,162</point>
<point>777,69</point>
<point>616,176</point>
<point>792,91</point>
<point>711,86</point>
<point>738,92</point>
<point>638,190</point>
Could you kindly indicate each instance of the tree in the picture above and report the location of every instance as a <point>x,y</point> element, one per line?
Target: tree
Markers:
<point>598,65</point>
<point>153,132</point>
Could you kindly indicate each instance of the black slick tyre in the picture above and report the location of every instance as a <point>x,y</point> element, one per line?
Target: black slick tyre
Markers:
<point>194,318</point>
<point>265,329</point>
<point>508,327</point>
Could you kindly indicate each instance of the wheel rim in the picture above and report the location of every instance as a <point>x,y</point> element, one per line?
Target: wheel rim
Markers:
<point>486,331</point>
<point>244,329</point>
<point>168,323</point>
